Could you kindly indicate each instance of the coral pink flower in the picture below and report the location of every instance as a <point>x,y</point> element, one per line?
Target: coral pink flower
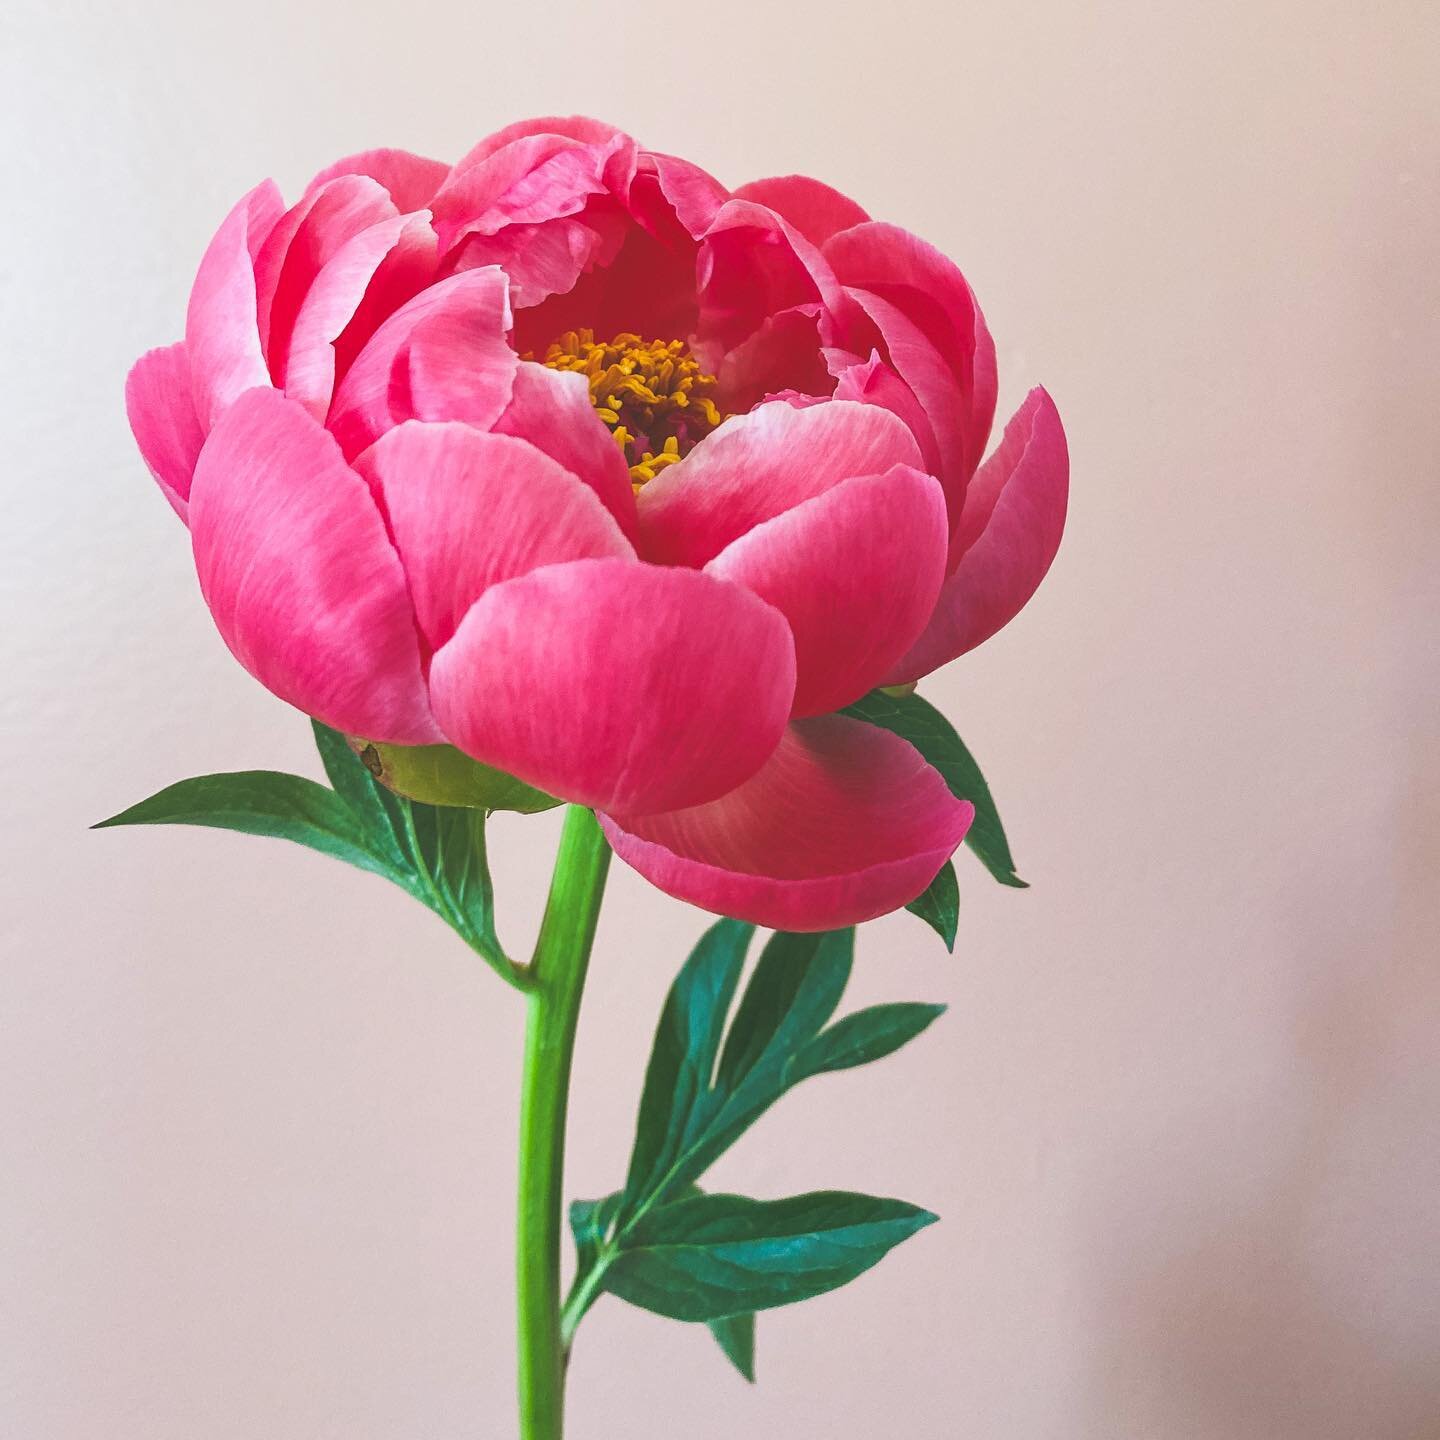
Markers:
<point>616,480</point>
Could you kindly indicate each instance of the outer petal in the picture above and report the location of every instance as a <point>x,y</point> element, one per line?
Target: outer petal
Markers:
<point>757,466</point>
<point>470,510</point>
<point>412,180</point>
<point>845,822</point>
<point>304,240</point>
<point>815,209</point>
<point>161,410</point>
<point>552,410</point>
<point>1007,536</point>
<point>933,333</point>
<point>617,684</point>
<point>298,572</point>
<point>222,336</point>
<point>443,356</point>
<point>856,571</point>
<point>333,299</point>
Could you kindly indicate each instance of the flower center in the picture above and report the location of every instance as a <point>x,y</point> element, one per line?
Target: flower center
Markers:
<point>652,394</point>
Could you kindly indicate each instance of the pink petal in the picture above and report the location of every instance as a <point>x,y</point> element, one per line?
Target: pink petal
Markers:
<point>297,570</point>
<point>873,382</point>
<point>306,238</point>
<point>1008,534</point>
<point>815,209</point>
<point>693,194</point>
<point>618,684</point>
<point>469,510</point>
<point>577,128</point>
<point>524,176</point>
<point>161,410</point>
<point>844,823</point>
<point>646,286</point>
<point>548,258</point>
<point>412,180</point>
<point>334,297</point>
<point>752,265</point>
<point>222,336</point>
<point>552,410</point>
<point>856,571</point>
<point>442,356</point>
<point>784,355</point>
<point>757,466</point>
<point>933,333</point>
<point>409,268</point>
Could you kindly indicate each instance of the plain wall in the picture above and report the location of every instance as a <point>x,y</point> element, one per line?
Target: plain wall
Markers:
<point>257,1110</point>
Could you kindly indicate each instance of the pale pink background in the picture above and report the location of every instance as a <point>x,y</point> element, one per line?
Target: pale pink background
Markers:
<point>256,1110</point>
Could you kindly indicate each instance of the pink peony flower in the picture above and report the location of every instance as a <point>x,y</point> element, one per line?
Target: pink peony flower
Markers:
<point>618,481</point>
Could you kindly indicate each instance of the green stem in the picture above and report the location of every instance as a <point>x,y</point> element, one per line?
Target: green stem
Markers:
<point>557,980</point>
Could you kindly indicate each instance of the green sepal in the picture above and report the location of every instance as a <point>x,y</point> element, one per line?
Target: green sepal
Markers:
<point>443,775</point>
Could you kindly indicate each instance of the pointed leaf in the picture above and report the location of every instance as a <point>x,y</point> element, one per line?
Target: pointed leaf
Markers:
<point>373,805</point>
<point>683,1056</point>
<point>735,1334</point>
<point>714,1256</point>
<point>867,1035</point>
<point>449,850</point>
<point>939,905</point>
<point>920,723</point>
<point>797,983</point>
<point>265,802</point>
<point>813,975</point>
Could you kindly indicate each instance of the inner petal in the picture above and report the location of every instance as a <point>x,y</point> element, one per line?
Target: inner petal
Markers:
<point>652,394</point>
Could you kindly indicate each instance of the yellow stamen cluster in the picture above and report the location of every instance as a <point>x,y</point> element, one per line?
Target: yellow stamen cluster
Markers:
<point>652,394</point>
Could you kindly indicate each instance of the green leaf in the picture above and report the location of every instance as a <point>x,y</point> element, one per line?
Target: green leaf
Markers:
<point>715,1256</point>
<point>735,1335</point>
<point>376,809</point>
<point>665,1245</point>
<point>265,802</point>
<point>920,723</point>
<point>683,1055</point>
<point>590,1222</point>
<point>867,1035</point>
<point>449,848</point>
<point>939,906</point>
<point>797,983</point>
<point>793,991</point>
<point>434,853</point>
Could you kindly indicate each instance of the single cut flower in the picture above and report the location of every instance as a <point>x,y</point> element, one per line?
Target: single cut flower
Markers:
<point>617,481</point>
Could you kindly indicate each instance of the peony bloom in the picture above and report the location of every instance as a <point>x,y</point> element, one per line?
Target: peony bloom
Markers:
<point>616,480</point>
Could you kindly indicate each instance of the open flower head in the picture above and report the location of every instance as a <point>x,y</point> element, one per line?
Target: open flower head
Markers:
<point>617,480</point>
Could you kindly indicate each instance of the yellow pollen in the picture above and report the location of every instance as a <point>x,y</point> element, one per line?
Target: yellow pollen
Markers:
<point>652,394</point>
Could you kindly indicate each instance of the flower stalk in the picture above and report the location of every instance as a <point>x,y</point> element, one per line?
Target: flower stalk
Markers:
<point>556,984</point>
